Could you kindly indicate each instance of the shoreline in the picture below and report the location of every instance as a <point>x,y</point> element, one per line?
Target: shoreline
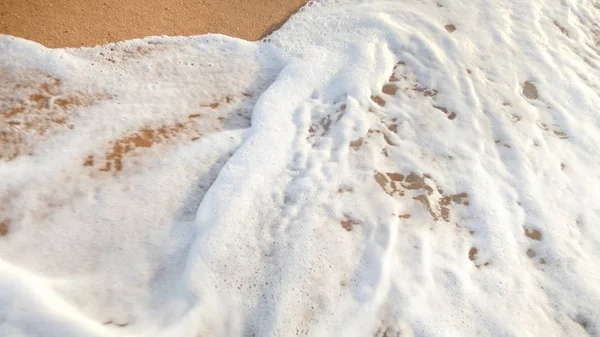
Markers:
<point>77,23</point>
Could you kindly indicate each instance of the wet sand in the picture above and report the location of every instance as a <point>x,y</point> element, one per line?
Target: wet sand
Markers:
<point>75,23</point>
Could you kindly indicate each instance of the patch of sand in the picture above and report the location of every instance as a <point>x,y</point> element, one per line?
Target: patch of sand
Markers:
<point>75,23</point>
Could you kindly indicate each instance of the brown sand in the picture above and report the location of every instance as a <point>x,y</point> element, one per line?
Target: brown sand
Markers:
<point>74,23</point>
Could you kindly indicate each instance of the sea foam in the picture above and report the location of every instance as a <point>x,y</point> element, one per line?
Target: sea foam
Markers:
<point>410,168</point>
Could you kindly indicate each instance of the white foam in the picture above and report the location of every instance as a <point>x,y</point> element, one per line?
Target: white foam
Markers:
<point>306,229</point>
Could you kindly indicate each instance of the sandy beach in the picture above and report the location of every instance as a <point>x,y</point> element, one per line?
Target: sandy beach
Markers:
<point>75,23</point>
<point>369,168</point>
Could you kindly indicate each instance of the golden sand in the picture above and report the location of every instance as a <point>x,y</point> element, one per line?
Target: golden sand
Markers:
<point>74,23</point>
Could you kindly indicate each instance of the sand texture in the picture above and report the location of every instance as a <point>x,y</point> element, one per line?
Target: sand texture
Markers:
<point>75,23</point>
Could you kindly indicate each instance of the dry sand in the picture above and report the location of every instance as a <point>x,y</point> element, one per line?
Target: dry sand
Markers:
<point>74,23</point>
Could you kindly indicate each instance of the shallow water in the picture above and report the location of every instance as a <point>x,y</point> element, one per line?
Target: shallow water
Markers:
<point>397,177</point>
